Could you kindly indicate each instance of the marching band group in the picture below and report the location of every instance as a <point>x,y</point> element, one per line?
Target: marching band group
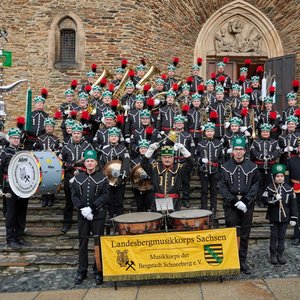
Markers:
<point>229,132</point>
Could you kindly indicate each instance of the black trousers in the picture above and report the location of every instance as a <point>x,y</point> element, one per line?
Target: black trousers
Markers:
<point>85,227</point>
<point>16,216</point>
<point>264,180</point>
<point>278,233</point>
<point>144,200</point>
<point>68,209</point>
<point>186,188</point>
<point>297,227</point>
<point>235,217</point>
<point>48,198</point>
<point>116,200</point>
<point>209,181</point>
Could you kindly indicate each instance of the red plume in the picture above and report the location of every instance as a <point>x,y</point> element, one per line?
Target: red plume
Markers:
<point>149,132</point>
<point>247,62</point>
<point>244,112</point>
<point>272,115</point>
<point>74,84</point>
<point>221,79</point>
<point>85,115</point>
<point>87,88</point>
<point>213,76</point>
<point>20,122</point>
<point>242,80</point>
<point>175,86</point>
<point>57,115</point>
<point>124,63</point>
<point>44,92</point>
<point>271,90</point>
<point>189,80</point>
<point>114,104</point>
<point>103,82</point>
<point>146,88</point>
<point>131,73</point>
<point>164,76</point>
<point>94,68</point>
<point>111,87</point>
<point>259,69</point>
<point>199,61</point>
<point>175,61</point>
<point>120,120</point>
<point>295,85</point>
<point>225,60</point>
<point>249,91</point>
<point>143,61</point>
<point>200,89</point>
<point>73,114</point>
<point>297,112</point>
<point>150,103</point>
<point>185,108</point>
<point>213,115</point>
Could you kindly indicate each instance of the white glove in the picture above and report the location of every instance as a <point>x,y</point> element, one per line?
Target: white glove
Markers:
<point>67,112</point>
<point>229,150</point>
<point>152,148</point>
<point>156,102</point>
<point>278,197</point>
<point>126,107</point>
<point>227,124</point>
<point>286,149</point>
<point>159,136</point>
<point>185,152</point>
<point>247,133</point>
<point>127,140</point>
<point>283,127</point>
<point>241,206</point>
<point>207,109</point>
<point>243,128</point>
<point>290,148</point>
<point>293,223</point>
<point>1,193</point>
<point>204,160</point>
<point>139,87</point>
<point>86,211</point>
<point>90,217</point>
<point>176,147</point>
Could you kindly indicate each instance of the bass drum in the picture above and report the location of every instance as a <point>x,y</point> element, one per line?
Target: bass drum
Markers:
<point>139,222</point>
<point>35,172</point>
<point>192,219</point>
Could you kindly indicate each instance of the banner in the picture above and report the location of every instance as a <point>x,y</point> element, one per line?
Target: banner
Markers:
<point>5,59</point>
<point>170,255</point>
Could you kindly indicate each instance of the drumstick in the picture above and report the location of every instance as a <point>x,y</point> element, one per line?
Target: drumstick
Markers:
<point>7,195</point>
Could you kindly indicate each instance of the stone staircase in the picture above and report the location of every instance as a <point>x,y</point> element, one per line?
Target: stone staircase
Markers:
<point>52,250</point>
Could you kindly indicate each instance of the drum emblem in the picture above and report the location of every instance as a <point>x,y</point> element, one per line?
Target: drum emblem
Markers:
<point>122,258</point>
<point>213,254</point>
<point>49,161</point>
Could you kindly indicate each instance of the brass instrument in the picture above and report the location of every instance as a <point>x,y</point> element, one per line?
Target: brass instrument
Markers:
<point>92,109</point>
<point>228,111</point>
<point>119,91</point>
<point>203,115</point>
<point>164,93</point>
<point>137,182</point>
<point>105,74</point>
<point>252,123</point>
<point>151,72</point>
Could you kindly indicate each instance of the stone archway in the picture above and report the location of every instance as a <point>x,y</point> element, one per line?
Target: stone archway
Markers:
<point>237,29</point>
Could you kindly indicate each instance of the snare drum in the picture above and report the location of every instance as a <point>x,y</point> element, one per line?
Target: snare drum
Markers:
<point>139,222</point>
<point>194,219</point>
<point>35,172</point>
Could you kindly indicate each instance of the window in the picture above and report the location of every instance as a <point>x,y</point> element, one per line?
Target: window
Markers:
<point>67,46</point>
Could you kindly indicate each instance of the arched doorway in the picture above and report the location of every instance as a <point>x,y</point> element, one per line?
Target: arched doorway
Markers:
<point>238,30</point>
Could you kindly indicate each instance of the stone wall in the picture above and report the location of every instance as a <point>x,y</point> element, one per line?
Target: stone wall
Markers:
<point>160,29</point>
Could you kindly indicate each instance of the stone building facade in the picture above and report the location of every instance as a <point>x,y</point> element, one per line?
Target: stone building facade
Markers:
<point>107,31</point>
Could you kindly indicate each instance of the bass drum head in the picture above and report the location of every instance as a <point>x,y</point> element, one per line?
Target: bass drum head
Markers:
<point>24,174</point>
<point>190,214</point>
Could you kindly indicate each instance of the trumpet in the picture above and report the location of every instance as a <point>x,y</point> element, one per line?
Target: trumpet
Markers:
<point>252,123</point>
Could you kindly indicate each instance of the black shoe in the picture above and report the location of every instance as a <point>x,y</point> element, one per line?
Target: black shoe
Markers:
<point>186,203</point>
<point>79,278</point>
<point>296,242</point>
<point>44,203</point>
<point>22,242</point>
<point>245,268</point>
<point>260,204</point>
<point>50,203</point>
<point>14,245</point>
<point>99,279</point>
<point>65,228</point>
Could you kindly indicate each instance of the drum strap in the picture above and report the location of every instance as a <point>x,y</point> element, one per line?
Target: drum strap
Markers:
<point>174,196</point>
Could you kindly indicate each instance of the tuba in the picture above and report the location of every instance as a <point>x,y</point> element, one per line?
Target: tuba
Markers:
<point>151,72</point>
<point>120,89</point>
<point>105,74</point>
<point>138,183</point>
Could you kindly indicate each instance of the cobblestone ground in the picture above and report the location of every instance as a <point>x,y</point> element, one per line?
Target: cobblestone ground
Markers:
<point>258,259</point>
